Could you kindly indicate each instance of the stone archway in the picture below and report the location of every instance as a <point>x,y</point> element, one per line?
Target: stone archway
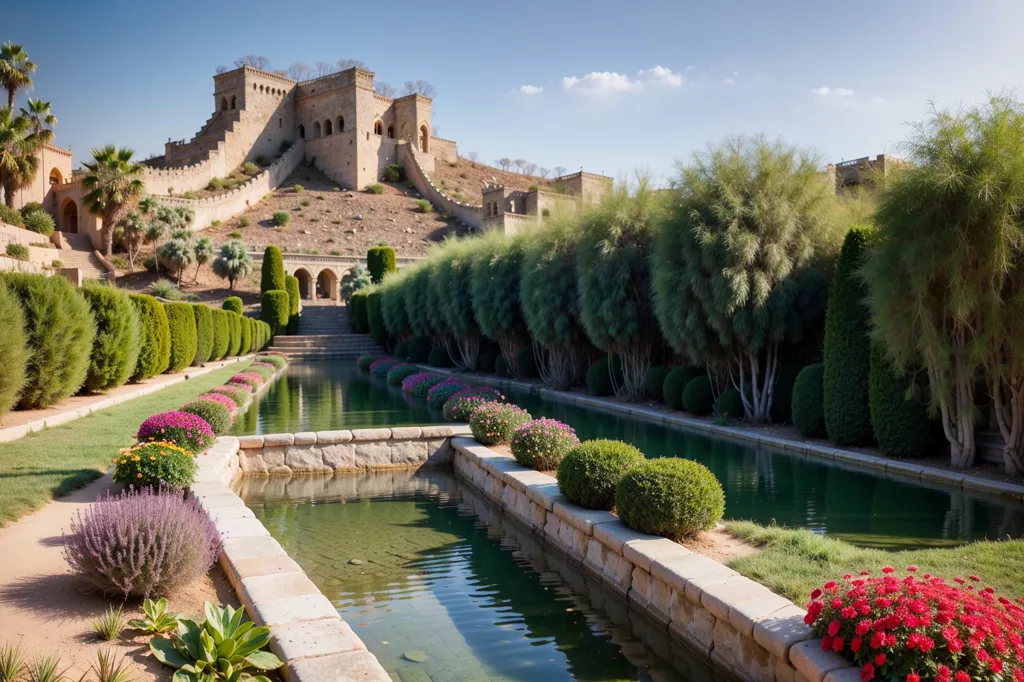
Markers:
<point>305,283</point>
<point>56,177</point>
<point>327,284</point>
<point>424,139</point>
<point>69,216</point>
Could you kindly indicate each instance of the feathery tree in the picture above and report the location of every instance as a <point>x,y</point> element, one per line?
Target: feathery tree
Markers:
<point>41,118</point>
<point>113,184</point>
<point>452,288</point>
<point>356,279</point>
<point>946,287</point>
<point>415,291</point>
<point>18,160</point>
<point>494,283</point>
<point>747,217</point>
<point>614,280</point>
<point>298,71</point>
<point>133,232</point>
<point>177,255</point>
<point>16,70</point>
<point>392,305</point>
<point>202,252</point>
<point>232,263</point>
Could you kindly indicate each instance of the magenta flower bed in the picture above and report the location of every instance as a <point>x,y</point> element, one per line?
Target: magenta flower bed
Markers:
<point>438,394</point>
<point>237,392</point>
<point>220,398</point>
<point>264,364</point>
<point>250,379</point>
<point>542,443</point>
<point>460,406</point>
<point>381,366</point>
<point>419,384</point>
<point>181,428</point>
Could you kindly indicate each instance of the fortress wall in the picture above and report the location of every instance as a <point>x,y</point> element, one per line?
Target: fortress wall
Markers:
<point>469,214</point>
<point>446,150</point>
<point>335,157</point>
<point>161,181</point>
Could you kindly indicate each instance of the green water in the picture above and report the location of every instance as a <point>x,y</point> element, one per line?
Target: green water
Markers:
<point>761,484</point>
<point>422,568</point>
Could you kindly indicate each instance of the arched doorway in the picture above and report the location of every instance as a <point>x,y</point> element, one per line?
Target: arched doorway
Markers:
<point>340,124</point>
<point>328,128</point>
<point>327,284</point>
<point>378,128</point>
<point>305,283</point>
<point>302,131</point>
<point>391,132</point>
<point>424,139</point>
<point>69,216</point>
<point>56,177</point>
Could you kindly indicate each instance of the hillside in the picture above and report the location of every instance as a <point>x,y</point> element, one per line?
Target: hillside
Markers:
<point>464,180</point>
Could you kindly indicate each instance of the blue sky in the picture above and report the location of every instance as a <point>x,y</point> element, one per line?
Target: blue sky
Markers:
<point>615,86</point>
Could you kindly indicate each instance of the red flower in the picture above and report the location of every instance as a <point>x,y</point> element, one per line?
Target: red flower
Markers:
<point>942,674</point>
<point>816,593</point>
<point>830,585</point>
<point>961,676</point>
<point>880,660</point>
<point>912,569</point>
<point>913,677</point>
<point>855,644</point>
<point>888,569</point>
<point>826,643</point>
<point>837,644</point>
<point>863,627</point>
<point>867,673</point>
<point>833,628</point>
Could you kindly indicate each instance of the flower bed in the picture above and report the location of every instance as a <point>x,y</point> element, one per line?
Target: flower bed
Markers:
<point>493,423</point>
<point>542,443</point>
<point>250,379</point>
<point>418,384</point>
<point>157,463</point>
<point>438,394</point>
<point>181,428</point>
<point>381,366</point>
<point>237,392</point>
<point>222,398</point>
<point>460,406</point>
<point>398,373</point>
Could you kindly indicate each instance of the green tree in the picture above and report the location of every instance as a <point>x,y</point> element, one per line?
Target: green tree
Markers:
<point>19,162</point>
<point>202,252</point>
<point>176,255</point>
<point>14,355</point>
<point>292,287</point>
<point>273,270</point>
<point>232,263</point>
<point>41,119</point>
<point>748,217</point>
<point>274,310</point>
<point>380,260</point>
<point>453,291</point>
<point>204,333</point>
<point>133,231</point>
<point>899,417</point>
<point>182,324</point>
<point>494,284</point>
<point>16,70</point>
<point>392,305</point>
<point>221,333</point>
<point>113,184</point>
<point>115,351</point>
<point>354,280</point>
<point>154,337</point>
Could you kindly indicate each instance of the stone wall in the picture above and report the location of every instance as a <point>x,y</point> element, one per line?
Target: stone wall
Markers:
<point>468,214</point>
<point>445,150</point>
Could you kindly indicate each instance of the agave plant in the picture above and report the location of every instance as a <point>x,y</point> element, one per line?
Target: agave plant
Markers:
<point>158,619</point>
<point>222,648</point>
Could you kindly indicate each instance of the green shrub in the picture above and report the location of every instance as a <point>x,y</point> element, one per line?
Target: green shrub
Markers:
<point>204,333</point>
<point>675,383</point>
<point>493,423</point>
<point>500,366</point>
<point>439,357</point>
<point>588,473</point>
<point>245,347</point>
<point>901,424</point>
<point>155,464</point>
<point>393,173</point>
<point>808,397</point>
<point>115,351</point>
<point>10,216</point>
<point>154,337</point>
<point>673,497</point>
<point>599,379</point>
<point>292,287</point>
<point>424,206</point>
<point>272,274</point>
<point>847,355</point>
<point>60,332</point>
<point>526,364</point>
<point>234,333</point>
<point>182,324</point>
<point>272,359</point>
<point>233,303</point>
<point>375,188</point>
<point>221,333</point>
<point>654,382</point>
<point>357,312</point>
<point>39,222</point>
<point>281,218</point>
<point>266,372</point>
<point>486,359</point>
<point>375,318</point>
<point>402,350</point>
<point>250,168</point>
<point>366,360</point>
<point>419,349</point>
<point>542,443</point>
<point>14,355</point>
<point>215,414</point>
<point>398,372</point>
<point>16,251</point>
<point>274,310</point>
<point>31,206</point>
<point>298,189</point>
<point>243,222</point>
<point>730,405</point>
<point>698,397</point>
<point>380,260</point>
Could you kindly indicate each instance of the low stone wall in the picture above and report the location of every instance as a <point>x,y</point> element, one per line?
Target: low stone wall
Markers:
<point>739,625</point>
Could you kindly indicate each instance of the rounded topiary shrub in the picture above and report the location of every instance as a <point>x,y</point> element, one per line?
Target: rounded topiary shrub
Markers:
<point>589,472</point>
<point>266,372</point>
<point>493,423</point>
<point>154,337</point>
<point>599,377</point>
<point>59,330</point>
<point>238,392</point>
<point>438,394</point>
<point>245,347</point>
<point>673,497</point>
<point>460,407</point>
<point>221,398</point>
<point>375,317</point>
<point>221,333</point>
<point>381,366</point>
<point>182,323</point>
<point>13,351</point>
<point>901,424</point>
<point>526,364</point>
<point>272,273</point>
<point>729,405</point>
<point>542,443</point>
<point>500,366</point>
<point>115,350</point>
<point>204,333</point>
<point>486,359</point>
<point>291,285</point>
<point>232,303</point>
<point>675,382</point>
<point>142,543</point>
<point>402,350</point>
<point>365,361</point>
<point>276,360</point>
<point>398,373</point>
<point>181,428</point>
<point>156,463</point>
<point>418,384</point>
<point>439,357</point>
<point>419,349</point>
<point>357,312</point>
<point>213,412</point>
<point>808,405</point>
<point>251,379</point>
<point>274,310</point>
<point>698,398</point>
<point>654,382</point>
<point>234,333</point>
<point>380,260</point>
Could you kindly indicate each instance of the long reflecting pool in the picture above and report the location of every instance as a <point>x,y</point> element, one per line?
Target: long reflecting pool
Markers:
<point>440,587</point>
<point>761,484</point>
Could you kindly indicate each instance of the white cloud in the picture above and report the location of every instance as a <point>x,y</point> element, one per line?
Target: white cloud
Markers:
<point>600,83</point>
<point>825,91</point>
<point>691,67</point>
<point>729,81</point>
<point>531,89</point>
<point>661,76</point>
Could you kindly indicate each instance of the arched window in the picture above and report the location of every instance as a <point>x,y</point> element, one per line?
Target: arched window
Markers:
<point>340,124</point>
<point>316,129</point>
<point>223,103</point>
<point>378,128</point>
<point>233,101</point>
<point>254,87</point>
<point>391,132</point>
<point>424,138</point>
<point>305,282</point>
<point>56,177</point>
<point>328,130</point>
<point>302,131</point>
<point>69,216</point>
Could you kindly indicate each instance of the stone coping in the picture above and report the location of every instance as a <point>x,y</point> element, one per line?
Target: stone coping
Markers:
<point>12,433</point>
<point>899,469</point>
<point>739,625</point>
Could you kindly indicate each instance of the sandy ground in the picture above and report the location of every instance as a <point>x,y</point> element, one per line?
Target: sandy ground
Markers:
<point>51,611</point>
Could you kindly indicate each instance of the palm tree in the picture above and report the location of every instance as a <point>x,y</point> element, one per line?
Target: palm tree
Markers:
<point>177,255</point>
<point>41,118</point>
<point>15,70</point>
<point>233,262</point>
<point>203,252</point>
<point>114,184</point>
<point>18,160</point>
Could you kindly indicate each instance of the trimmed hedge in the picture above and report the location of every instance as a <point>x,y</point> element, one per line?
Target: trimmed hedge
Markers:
<point>396,374</point>
<point>673,497</point>
<point>291,284</point>
<point>419,349</point>
<point>589,473</point>
<point>268,334</point>
<point>215,414</point>
<point>380,260</point>
<point>154,337</point>
<point>357,312</point>
<point>730,405</point>
<point>599,380</point>
<point>245,347</point>
<point>526,364</point>
<point>698,398</point>
<point>182,324</point>
<point>14,355</point>
<point>204,332</point>
<point>115,350</point>
<point>439,357</point>
<point>274,310</point>
<point>900,425</point>
<point>654,381</point>
<point>375,318</point>
<point>847,356</point>
<point>59,335</point>
<point>675,383</point>
<point>808,401</point>
<point>402,350</point>
<point>221,334</point>
<point>234,333</point>
<point>232,303</point>
<point>272,274</point>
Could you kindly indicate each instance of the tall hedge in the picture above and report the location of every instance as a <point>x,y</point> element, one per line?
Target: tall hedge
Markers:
<point>274,310</point>
<point>357,312</point>
<point>848,348</point>
<point>380,260</point>
<point>273,270</point>
<point>808,401</point>
<point>182,324</point>
<point>292,287</point>
<point>204,333</point>
<point>13,351</point>
<point>60,332</point>
<point>375,317</point>
<point>245,347</point>
<point>494,282</point>
<point>233,303</point>
<point>116,347</point>
<point>221,332</point>
<point>900,423</point>
<point>234,333</point>
<point>266,334</point>
<point>154,337</point>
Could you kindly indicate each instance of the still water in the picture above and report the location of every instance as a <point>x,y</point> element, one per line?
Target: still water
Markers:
<point>440,587</point>
<point>761,484</point>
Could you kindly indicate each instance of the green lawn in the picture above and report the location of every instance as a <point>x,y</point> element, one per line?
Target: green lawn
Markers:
<point>794,562</point>
<point>55,461</point>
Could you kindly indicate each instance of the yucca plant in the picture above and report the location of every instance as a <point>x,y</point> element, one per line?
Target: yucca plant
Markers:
<point>46,669</point>
<point>12,662</point>
<point>108,627</point>
<point>222,648</point>
<point>109,668</point>
<point>158,619</point>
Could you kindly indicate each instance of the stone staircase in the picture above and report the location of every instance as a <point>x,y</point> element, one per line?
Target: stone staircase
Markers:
<point>79,254</point>
<point>324,332</point>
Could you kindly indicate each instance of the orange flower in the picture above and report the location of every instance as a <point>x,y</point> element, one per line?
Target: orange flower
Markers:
<point>138,475</point>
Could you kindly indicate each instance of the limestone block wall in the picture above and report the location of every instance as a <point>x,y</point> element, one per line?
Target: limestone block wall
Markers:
<point>445,150</point>
<point>468,214</point>
<point>165,181</point>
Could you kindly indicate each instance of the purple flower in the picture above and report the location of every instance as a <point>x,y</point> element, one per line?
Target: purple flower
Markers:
<point>181,428</point>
